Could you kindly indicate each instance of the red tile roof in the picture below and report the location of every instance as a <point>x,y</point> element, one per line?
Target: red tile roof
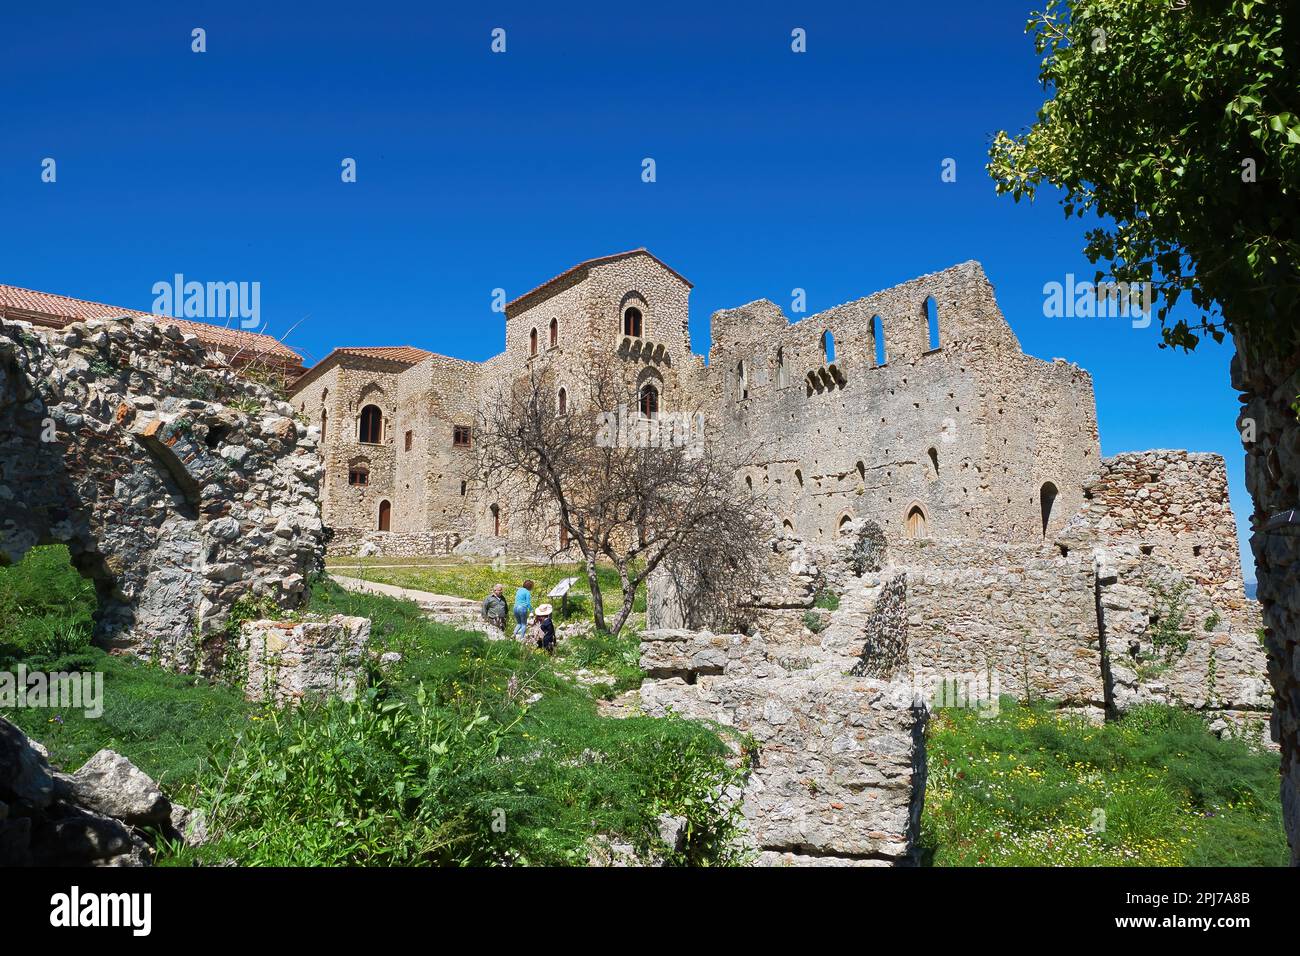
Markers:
<point>46,308</point>
<point>394,353</point>
<point>588,263</point>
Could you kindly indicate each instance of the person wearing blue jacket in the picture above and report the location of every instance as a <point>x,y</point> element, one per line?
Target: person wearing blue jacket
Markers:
<point>523,604</point>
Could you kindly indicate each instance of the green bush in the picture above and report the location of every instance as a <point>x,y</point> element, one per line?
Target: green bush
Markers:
<point>1035,787</point>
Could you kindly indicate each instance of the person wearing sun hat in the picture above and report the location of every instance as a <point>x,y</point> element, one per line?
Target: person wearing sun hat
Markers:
<point>545,628</point>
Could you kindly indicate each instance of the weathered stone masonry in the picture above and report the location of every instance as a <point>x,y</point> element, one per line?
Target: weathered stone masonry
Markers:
<point>177,486</point>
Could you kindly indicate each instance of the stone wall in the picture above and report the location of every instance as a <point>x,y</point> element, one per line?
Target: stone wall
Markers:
<point>837,777</point>
<point>1268,383</point>
<point>1174,505</point>
<point>966,432</point>
<point>287,662</point>
<point>354,542</point>
<point>177,486</point>
<point>1115,610</point>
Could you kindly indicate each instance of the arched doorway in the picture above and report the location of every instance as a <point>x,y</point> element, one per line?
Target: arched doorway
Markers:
<point>385,515</point>
<point>916,522</point>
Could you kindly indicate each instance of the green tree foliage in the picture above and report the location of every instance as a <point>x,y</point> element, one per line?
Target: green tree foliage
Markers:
<point>1177,122</point>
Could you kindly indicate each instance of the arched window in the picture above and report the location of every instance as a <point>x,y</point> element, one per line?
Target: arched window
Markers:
<point>385,515</point>
<point>846,525</point>
<point>555,333</point>
<point>934,462</point>
<point>916,522</point>
<point>931,313</point>
<point>632,322</point>
<point>787,526</point>
<point>562,401</point>
<point>828,347</point>
<point>782,379</point>
<point>532,342</point>
<point>324,423</point>
<point>878,336</point>
<point>496,520</point>
<point>359,475</point>
<point>649,401</point>
<point>798,476</point>
<point>372,425</point>
<point>1046,499</point>
<point>742,377</point>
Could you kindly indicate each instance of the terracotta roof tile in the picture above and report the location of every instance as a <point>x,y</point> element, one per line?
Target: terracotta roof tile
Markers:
<point>60,310</point>
<point>395,353</point>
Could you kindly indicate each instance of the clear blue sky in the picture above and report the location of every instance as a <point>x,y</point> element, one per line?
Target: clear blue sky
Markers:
<point>477,171</point>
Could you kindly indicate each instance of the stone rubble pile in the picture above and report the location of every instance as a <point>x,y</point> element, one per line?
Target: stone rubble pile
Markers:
<point>108,813</point>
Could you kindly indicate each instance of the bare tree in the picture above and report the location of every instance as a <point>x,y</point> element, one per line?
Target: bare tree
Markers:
<point>628,484</point>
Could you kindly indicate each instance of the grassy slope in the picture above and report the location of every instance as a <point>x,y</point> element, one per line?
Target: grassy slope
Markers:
<point>469,751</point>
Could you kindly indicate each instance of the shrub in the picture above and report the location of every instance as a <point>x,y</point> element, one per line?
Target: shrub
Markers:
<point>1034,787</point>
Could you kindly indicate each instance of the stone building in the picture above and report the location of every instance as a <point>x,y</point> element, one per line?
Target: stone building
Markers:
<point>913,411</point>
<point>914,408</point>
<point>397,423</point>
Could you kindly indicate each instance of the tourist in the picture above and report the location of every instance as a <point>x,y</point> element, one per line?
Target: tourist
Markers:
<point>545,629</point>
<point>494,608</point>
<point>523,604</point>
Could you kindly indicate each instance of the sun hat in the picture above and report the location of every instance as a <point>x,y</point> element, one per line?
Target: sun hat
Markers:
<point>543,610</point>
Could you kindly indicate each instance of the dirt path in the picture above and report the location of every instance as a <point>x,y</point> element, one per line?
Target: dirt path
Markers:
<point>465,613</point>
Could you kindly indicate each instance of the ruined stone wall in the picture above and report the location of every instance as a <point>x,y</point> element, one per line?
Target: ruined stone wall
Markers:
<point>177,486</point>
<point>967,433</point>
<point>1174,505</point>
<point>353,542</point>
<point>1018,612</point>
<point>838,774</point>
<point>1092,624</point>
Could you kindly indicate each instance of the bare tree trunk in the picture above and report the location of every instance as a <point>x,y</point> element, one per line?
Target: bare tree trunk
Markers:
<point>1269,385</point>
<point>597,599</point>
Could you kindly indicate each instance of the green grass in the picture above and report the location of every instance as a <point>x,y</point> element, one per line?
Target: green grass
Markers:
<point>474,579</point>
<point>168,724</point>
<point>1035,787</point>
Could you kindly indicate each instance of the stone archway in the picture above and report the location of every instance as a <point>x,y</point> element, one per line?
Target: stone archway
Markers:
<point>116,440</point>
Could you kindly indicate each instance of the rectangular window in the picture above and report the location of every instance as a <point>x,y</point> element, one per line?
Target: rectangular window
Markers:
<point>409,439</point>
<point>462,488</point>
<point>460,436</point>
